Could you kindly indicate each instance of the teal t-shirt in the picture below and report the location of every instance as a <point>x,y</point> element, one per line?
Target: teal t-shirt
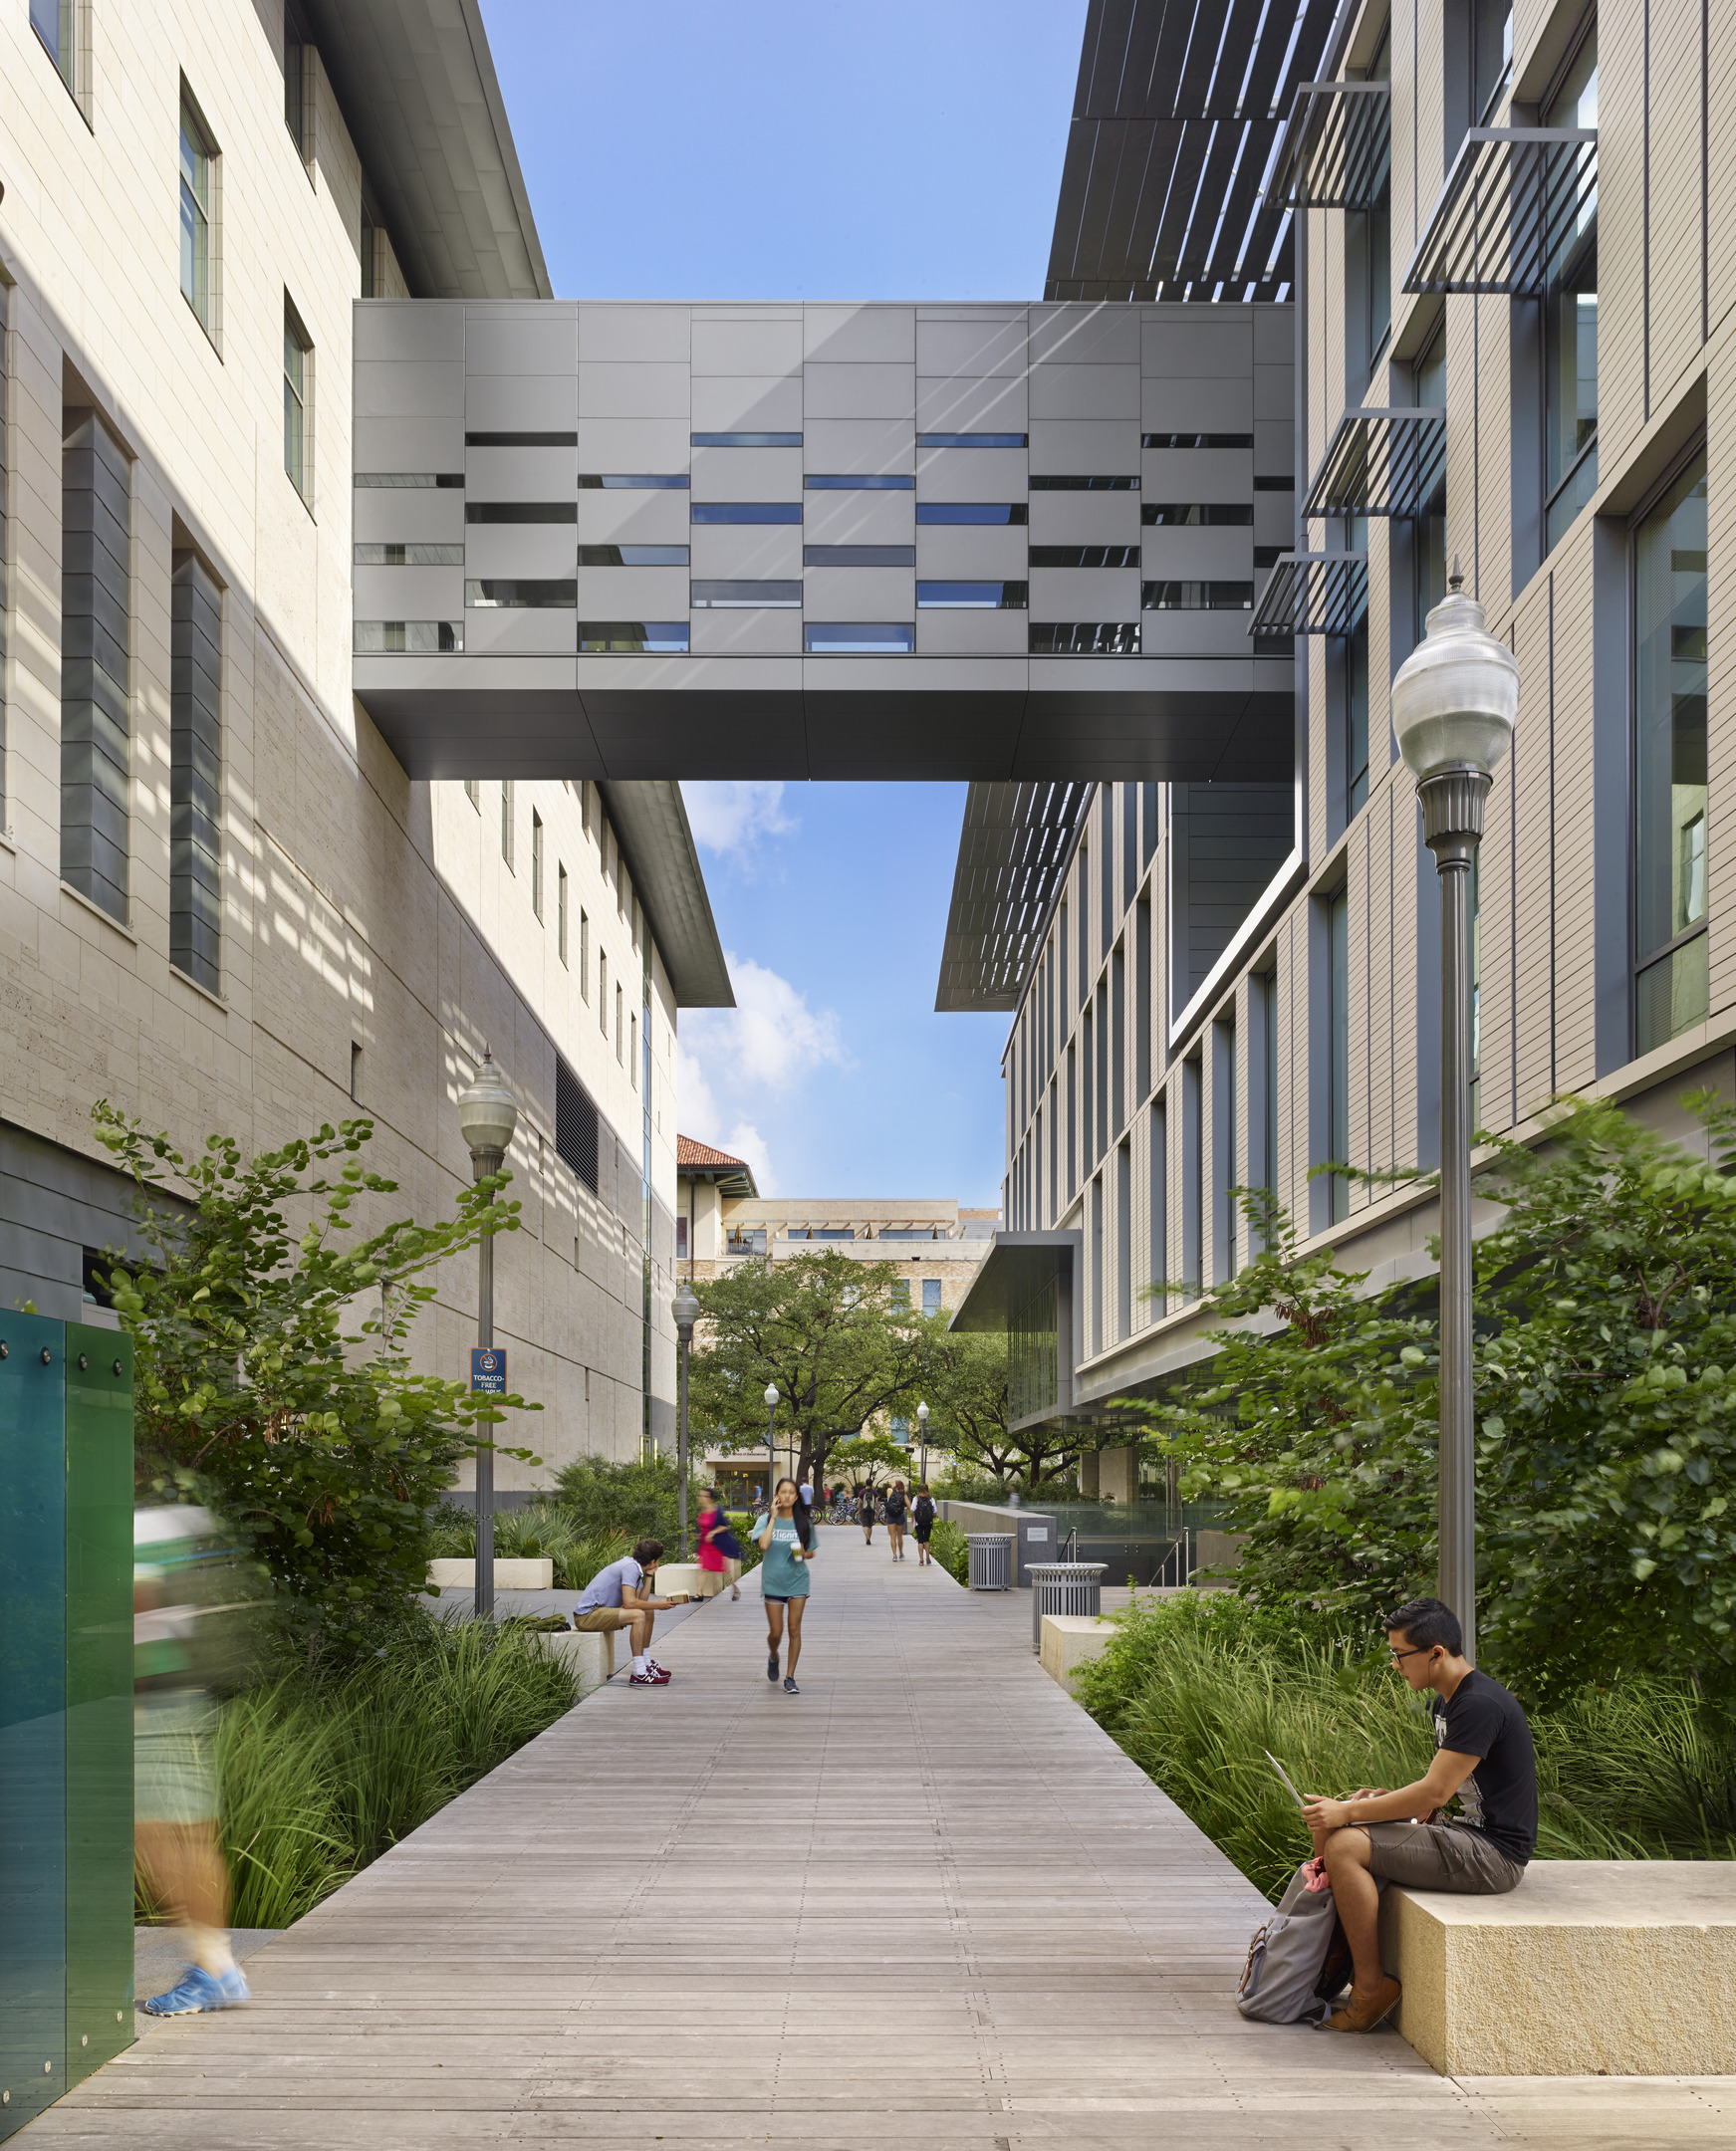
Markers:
<point>781,1575</point>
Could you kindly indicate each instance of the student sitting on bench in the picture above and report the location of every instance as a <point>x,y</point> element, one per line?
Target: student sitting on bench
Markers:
<point>1483,1752</point>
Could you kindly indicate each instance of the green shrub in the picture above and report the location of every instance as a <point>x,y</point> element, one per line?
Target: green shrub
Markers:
<point>635,1500</point>
<point>949,1546</point>
<point>543,1530</point>
<point>1196,1690</point>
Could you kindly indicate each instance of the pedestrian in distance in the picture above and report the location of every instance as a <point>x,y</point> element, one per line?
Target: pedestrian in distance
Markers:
<point>922,1525</point>
<point>719,1549</point>
<point>616,1597</point>
<point>896,1511</point>
<point>787,1540</point>
<point>864,1507</point>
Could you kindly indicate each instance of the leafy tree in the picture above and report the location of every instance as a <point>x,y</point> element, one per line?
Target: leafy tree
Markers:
<point>824,1330</point>
<point>967,1393</point>
<point>860,1461</point>
<point>319,1443</point>
<point>639,1498</point>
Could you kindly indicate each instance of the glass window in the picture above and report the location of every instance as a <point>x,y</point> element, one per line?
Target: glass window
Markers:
<point>714,596</point>
<point>746,512</point>
<point>1491,57</point>
<point>296,366</point>
<point>1196,440</point>
<point>371,554</point>
<point>521,511</point>
<point>519,593</point>
<point>632,555</point>
<point>602,991</point>
<point>52,20</point>
<point>1051,484</point>
<point>1356,690</point>
<point>609,481</point>
<point>1085,555</point>
<point>408,481</point>
<point>620,1024</point>
<point>747,440</point>
<point>522,440</point>
<point>408,639</point>
<point>971,440</point>
<point>1569,364</point>
<point>858,556</point>
<point>1368,233</point>
<point>1338,1066</point>
<point>633,638</point>
<point>298,104</point>
<point>196,193</point>
<point>584,955</point>
<point>884,482</point>
<point>561,909</point>
<point>473,793</point>
<point>536,863</point>
<point>932,1296</point>
<point>863,637</point>
<point>1429,550</point>
<point>900,1294</point>
<point>1669,794</point>
<point>1085,639</point>
<point>1192,515</point>
<point>973,597</point>
<point>506,820</point>
<point>994,511</point>
<point>1196,597</point>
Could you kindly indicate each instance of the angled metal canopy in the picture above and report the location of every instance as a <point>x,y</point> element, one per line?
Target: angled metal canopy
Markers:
<point>1166,190</point>
<point>1312,593</point>
<point>415,83</point>
<point>1338,145</point>
<point>1380,462</point>
<point>1012,853</point>
<point>1515,199</point>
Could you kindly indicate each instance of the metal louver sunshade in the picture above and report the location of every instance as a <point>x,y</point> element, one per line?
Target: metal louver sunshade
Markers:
<point>1379,463</point>
<point>1515,197</point>
<point>1012,851</point>
<point>1312,593</point>
<point>1338,145</point>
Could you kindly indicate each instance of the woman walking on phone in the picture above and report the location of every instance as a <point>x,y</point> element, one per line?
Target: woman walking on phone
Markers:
<point>787,1540</point>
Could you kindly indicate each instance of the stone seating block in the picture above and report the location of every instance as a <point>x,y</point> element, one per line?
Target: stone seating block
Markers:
<point>588,1653</point>
<point>1070,1640</point>
<point>675,1577</point>
<point>453,1575</point>
<point>1622,1968</point>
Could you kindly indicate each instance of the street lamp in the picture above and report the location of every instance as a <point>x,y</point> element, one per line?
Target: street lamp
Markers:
<point>487,1116</point>
<point>923,1436</point>
<point>1455,703</point>
<point>771,1451</point>
<point>685,1308</point>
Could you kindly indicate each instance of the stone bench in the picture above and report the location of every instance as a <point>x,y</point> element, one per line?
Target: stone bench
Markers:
<point>1070,1640</point>
<point>589,1654</point>
<point>1619,1967</point>
<point>450,1574</point>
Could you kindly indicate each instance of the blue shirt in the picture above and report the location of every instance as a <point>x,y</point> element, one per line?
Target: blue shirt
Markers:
<point>781,1575</point>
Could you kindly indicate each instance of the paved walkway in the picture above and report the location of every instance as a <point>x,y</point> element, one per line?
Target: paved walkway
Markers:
<point>926,1903</point>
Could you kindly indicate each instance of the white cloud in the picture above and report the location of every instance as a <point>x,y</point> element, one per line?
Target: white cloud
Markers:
<point>730,819</point>
<point>730,1064</point>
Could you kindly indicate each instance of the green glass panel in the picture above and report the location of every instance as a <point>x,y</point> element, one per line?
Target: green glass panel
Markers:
<point>99,1696</point>
<point>33,1944</point>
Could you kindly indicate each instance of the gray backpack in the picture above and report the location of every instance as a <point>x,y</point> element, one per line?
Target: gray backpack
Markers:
<point>1286,1979</point>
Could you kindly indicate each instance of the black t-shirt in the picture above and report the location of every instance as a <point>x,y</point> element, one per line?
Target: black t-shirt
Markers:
<point>1499,1798</point>
<point>895,1507</point>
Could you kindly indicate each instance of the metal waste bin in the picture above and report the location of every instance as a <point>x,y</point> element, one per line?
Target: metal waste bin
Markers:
<point>1068,1587</point>
<point>991,1560</point>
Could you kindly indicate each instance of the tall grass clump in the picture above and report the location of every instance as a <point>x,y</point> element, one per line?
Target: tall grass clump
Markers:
<point>541,1530</point>
<point>948,1546</point>
<point>1196,1690</point>
<point>323,1772</point>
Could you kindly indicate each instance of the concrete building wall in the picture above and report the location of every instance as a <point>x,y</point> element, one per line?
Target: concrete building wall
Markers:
<point>372,936</point>
<point>1558,999</point>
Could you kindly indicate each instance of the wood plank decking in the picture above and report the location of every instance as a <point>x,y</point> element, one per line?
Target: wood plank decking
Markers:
<point>925,1901</point>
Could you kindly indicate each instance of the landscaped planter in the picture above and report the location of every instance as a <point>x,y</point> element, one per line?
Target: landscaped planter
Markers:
<point>453,1575</point>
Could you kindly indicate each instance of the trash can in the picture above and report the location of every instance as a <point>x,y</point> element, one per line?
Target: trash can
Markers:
<point>991,1560</point>
<point>1068,1587</point>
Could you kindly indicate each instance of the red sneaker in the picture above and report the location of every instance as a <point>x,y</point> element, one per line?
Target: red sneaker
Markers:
<point>647,1679</point>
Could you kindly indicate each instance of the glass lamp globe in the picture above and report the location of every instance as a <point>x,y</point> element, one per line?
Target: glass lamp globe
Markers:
<point>1455,700</point>
<point>487,1109</point>
<point>771,1393</point>
<point>686,1307</point>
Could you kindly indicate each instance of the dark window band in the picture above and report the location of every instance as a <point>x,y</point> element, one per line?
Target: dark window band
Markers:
<point>1048,483</point>
<point>521,441</point>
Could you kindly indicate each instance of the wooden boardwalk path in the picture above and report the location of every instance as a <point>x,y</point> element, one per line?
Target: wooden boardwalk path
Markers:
<point>924,1903</point>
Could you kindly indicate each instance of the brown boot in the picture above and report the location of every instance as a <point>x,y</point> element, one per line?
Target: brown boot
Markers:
<point>1364,2011</point>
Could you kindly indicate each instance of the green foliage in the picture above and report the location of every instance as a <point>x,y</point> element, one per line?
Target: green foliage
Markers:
<point>951,1547</point>
<point>825,1330</point>
<point>541,1530</point>
<point>320,1775</point>
<point>1605,1397</point>
<point>640,1499</point>
<point>966,1377</point>
<point>751,1557</point>
<point>869,1459</point>
<point>1196,1689</point>
<point>326,1450</point>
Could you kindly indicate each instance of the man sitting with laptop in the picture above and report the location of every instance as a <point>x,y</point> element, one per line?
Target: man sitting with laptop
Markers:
<point>1483,1753</point>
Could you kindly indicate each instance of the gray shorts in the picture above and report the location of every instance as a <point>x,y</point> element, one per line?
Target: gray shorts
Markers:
<point>1440,1856</point>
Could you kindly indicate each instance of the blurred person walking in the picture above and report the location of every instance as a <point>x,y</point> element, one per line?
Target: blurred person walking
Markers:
<point>719,1549</point>
<point>896,1509</point>
<point>786,1538</point>
<point>922,1525</point>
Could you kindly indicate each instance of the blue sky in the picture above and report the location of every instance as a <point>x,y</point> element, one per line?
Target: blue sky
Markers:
<point>811,149</point>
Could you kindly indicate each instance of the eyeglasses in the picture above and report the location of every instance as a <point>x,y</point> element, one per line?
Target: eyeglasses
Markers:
<point>1422,1650</point>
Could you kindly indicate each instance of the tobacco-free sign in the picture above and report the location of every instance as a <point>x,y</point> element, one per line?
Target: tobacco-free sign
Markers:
<point>487,1370</point>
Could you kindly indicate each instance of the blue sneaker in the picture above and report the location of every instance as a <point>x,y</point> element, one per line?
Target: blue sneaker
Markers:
<point>197,1991</point>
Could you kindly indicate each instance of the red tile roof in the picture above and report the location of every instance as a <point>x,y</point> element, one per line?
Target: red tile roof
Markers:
<point>690,1153</point>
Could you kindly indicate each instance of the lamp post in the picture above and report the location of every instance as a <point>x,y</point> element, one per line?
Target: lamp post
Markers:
<point>771,1451</point>
<point>1455,702</point>
<point>487,1116</point>
<point>685,1308</point>
<point>923,1436</point>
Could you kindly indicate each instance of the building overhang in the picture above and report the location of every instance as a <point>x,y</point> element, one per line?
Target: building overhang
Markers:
<point>1013,855</point>
<point>415,83</point>
<point>1338,145</point>
<point>1018,1266</point>
<point>1515,199</point>
<point>650,824</point>
<point>1380,462</point>
<point>1311,593</point>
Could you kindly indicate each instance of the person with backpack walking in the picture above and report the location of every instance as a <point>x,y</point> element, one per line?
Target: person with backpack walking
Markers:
<point>896,1509</point>
<point>786,1539</point>
<point>922,1526</point>
<point>864,1509</point>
